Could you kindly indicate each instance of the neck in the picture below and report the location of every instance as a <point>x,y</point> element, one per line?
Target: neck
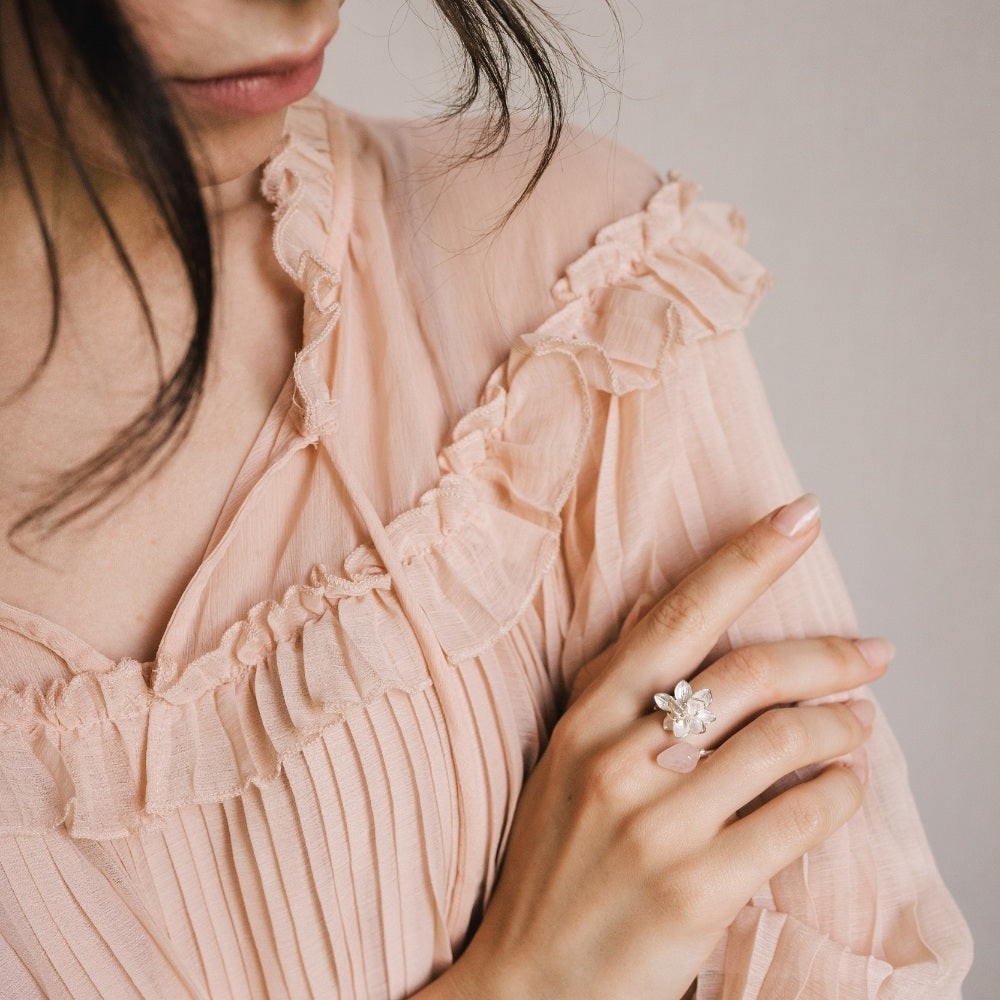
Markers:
<point>61,193</point>
<point>98,305</point>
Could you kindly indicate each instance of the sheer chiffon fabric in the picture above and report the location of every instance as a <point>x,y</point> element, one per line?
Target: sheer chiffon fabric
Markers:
<point>308,792</point>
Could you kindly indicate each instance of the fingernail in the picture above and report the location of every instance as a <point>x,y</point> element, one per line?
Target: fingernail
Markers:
<point>858,763</point>
<point>877,652</point>
<point>863,710</point>
<point>794,518</point>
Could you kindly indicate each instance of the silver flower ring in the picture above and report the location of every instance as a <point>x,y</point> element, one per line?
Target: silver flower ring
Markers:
<point>687,710</point>
<point>687,713</point>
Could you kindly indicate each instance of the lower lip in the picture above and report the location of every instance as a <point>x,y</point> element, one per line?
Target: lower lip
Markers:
<point>254,94</point>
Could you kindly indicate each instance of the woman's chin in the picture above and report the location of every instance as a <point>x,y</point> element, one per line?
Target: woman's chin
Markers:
<point>226,150</point>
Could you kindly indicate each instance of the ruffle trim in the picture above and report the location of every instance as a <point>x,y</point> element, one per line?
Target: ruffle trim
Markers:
<point>300,181</point>
<point>109,754</point>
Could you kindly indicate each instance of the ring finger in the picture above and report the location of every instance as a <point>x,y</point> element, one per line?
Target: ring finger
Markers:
<point>747,681</point>
<point>751,760</point>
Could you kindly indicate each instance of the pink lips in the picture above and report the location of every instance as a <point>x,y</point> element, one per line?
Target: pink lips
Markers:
<point>257,91</point>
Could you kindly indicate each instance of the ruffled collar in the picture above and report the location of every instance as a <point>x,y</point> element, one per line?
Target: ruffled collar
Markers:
<point>107,754</point>
<point>310,189</point>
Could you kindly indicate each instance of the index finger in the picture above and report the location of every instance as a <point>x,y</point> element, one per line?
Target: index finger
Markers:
<point>680,630</point>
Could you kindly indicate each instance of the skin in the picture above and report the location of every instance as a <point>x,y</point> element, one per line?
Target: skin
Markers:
<point>115,581</point>
<point>194,39</point>
<point>187,39</point>
<point>612,896</point>
<point>603,893</point>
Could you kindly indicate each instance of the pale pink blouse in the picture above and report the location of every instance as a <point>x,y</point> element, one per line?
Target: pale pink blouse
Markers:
<point>490,454</point>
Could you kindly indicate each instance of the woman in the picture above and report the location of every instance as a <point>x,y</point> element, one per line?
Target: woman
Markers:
<point>305,673</point>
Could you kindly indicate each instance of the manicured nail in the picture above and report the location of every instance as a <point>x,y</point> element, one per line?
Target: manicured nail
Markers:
<point>858,763</point>
<point>877,652</point>
<point>863,710</point>
<point>794,518</point>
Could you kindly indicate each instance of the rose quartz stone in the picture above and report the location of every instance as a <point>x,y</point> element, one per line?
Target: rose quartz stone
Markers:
<point>680,757</point>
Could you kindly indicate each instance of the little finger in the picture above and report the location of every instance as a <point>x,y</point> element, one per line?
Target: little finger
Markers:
<point>755,848</point>
<point>773,745</point>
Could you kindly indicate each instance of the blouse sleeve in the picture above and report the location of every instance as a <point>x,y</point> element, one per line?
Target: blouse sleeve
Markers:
<point>681,454</point>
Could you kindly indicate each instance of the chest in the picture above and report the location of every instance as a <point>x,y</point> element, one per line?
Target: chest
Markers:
<point>114,578</point>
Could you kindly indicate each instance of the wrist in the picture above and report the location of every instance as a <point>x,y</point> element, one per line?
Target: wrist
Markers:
<point>482,972</point>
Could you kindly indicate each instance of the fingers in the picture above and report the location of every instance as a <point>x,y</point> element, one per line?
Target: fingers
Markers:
<point>754,849</point>
<point>750,679</point>
<point>769,748</point>
<point>745,766</point>
<point>684,626</point>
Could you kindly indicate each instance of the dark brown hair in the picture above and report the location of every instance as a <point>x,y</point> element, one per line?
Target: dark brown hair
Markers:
<point>499,39</point>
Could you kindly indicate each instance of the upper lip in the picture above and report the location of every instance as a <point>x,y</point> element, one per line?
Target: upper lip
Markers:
<point>274,68</point>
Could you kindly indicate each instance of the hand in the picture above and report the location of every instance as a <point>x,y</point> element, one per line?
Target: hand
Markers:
<point>620,876</point>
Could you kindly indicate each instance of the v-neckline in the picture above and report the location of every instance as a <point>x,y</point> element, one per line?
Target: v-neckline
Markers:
<point>268,447</point>
<point>278,436</point>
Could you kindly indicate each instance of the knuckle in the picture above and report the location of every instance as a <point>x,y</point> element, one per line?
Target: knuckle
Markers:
<point>606,778</point>
<point>840,651</point>
<point>644,851</point>
<point>785,734</point>
<point>751,669</point>
<point>680,613</point>
<point>751,551</point>
<point>824,805</point>
<point>810,819</point>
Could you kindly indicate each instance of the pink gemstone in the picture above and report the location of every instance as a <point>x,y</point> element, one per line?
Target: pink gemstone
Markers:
<point>681,757</point>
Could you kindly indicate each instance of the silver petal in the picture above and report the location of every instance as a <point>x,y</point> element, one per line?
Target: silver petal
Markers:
<point>704,696</point>
<point>697,726</point>
<point>662,701</point>
<point>681,728</point>
<point>683,691</point>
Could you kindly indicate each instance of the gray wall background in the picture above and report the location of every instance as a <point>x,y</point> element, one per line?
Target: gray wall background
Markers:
<point>862,141</point>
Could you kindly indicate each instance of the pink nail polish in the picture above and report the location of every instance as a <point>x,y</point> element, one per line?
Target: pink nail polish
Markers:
<point>795,518</point>
<point>877,652</point>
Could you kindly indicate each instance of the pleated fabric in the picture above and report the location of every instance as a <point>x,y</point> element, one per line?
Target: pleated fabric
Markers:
<point>308,792</point>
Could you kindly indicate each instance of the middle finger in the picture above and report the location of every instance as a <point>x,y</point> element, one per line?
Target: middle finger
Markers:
<point>749,680</point>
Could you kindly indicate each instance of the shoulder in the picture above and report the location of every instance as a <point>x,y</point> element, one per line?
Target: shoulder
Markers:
<point>590,181</point>
<point>450,206</point>
<point>602,235</point>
